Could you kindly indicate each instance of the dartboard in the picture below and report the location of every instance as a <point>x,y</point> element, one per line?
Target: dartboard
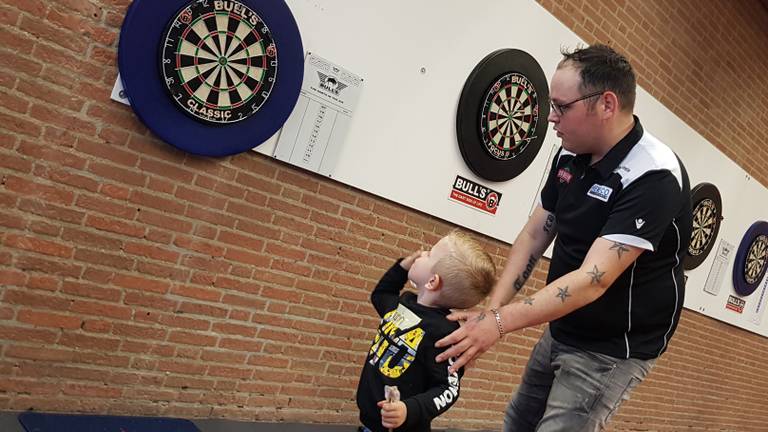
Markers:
<point>219,61</point>
<point>203,75</point>
<point>509,116</point>
<point>707,209</point>
<point>751,259</point>
<point>754,265</point>
<point>501,117</point>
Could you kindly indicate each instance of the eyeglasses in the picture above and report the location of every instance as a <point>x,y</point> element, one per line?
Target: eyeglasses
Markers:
<point>560,109</point>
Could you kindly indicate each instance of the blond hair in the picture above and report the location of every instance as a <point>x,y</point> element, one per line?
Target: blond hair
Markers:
<point>468,272</point>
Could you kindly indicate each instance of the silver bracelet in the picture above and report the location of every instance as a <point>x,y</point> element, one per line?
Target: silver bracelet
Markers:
<point>498,322</point>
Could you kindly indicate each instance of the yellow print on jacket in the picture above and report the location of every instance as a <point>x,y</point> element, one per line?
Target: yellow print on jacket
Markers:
<point>394,349</point>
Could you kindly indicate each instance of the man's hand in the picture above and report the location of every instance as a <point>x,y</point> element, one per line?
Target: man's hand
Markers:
<point>471,340</point>
<point>407,262</point>
<point>393,414</point>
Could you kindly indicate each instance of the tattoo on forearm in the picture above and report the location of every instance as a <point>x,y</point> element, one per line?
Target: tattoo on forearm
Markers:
<point>520,281</point>
<point>619,248</point>
<point>549,223</point>
<point>596,275</point>
<point>562,293</point>
<point>528,301</point>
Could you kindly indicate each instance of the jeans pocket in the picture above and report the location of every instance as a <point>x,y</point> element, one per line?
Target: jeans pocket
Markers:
<point>583,385</point>
<point>633,382</point>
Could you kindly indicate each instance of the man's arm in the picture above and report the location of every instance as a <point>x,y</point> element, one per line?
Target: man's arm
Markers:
<point>525,252</point>
<point>604,263</point>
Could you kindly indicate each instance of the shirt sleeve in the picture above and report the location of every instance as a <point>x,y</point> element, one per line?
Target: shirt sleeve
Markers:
<point>443,391</point>
<point>548,195</point>
<point>387,292</point>
<point>644,210</point>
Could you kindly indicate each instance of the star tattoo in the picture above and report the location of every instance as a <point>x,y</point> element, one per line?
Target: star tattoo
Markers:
<point>619,248</point>
<point>562,293</point>
<point>596,275</point>
<point>528,301</point>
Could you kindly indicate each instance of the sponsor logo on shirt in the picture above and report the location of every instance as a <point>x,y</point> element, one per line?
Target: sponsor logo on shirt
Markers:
<point>564,175</point>
<point>639,222</point>
<point>600,192</point>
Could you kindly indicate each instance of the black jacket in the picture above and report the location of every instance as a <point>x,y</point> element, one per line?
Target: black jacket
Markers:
<point>403,354</point>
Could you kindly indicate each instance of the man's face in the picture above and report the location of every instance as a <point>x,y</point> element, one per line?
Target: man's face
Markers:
<point>576,124</point>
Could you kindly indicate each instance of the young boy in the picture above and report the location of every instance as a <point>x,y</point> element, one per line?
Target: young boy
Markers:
<point>456,273</point>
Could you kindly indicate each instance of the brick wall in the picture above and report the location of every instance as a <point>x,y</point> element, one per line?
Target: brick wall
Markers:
<point>135,279</point>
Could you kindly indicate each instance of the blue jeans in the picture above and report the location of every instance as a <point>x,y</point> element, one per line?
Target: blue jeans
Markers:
<point>569,389</point>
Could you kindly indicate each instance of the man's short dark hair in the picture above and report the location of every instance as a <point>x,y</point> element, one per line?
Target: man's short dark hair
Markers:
<point>602,68</point>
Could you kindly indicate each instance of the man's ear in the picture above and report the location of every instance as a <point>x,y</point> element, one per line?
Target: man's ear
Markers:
<point>434,283</point>
<point>610,104</point>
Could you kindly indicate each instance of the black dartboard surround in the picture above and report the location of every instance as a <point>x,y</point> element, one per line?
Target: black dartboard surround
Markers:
<point>707,215</point>
<point>751,259</point>
<point>501,120</point>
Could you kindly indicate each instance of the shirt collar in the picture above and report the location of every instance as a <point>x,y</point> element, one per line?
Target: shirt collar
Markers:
<point>617,153</point>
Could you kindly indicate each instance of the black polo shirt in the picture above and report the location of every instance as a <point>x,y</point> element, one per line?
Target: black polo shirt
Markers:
<point>637,194</point>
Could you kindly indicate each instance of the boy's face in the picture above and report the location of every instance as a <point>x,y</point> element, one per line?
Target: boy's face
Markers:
<point>421,270</point>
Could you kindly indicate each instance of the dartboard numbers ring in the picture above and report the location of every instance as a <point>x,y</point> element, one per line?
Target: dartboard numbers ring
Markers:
<point>501,116</point>
<point>751,259</point>
<point>219,61</point>
<point>707,215</point>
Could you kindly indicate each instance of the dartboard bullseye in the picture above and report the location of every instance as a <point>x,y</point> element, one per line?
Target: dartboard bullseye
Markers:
<point>707,214</point>
<point>501,117</point>
<point>219,61</point>
<point>509,117</point>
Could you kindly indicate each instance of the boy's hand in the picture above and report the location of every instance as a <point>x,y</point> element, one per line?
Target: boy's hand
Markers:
<point>393,414</point>
<point>407,262</point>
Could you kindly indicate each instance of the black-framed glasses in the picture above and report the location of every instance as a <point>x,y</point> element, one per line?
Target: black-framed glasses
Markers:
<point>560,109</point>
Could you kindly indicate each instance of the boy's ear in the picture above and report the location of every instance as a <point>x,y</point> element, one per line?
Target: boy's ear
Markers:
<point>434,283</point>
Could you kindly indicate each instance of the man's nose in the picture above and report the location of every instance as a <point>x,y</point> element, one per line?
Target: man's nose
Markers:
<point>552,116</point>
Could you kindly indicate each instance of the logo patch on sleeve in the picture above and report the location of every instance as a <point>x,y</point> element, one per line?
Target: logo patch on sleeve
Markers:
<point>600,192</point>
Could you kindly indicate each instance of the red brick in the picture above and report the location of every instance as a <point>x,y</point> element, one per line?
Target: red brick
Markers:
<point>49,115</point>
<point>191,338</point>
<point>47,319</point>
<point>151,251</point>
<point>117,174</point>
<point>43,265</point>
<point>211,295</point>
<point>25,335</point>
<point>100,309</point>
<point>18,124</point>
<point>210,216</point>
<point>202,309</point>
<point>141,283</point>
<point>98,292</point>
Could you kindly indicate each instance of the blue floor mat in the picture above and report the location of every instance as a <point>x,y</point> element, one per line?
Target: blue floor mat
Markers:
<point>40,422</point>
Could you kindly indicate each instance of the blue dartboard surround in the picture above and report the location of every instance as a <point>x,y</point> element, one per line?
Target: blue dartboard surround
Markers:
<point>751,251</point>
<point>141,40</point>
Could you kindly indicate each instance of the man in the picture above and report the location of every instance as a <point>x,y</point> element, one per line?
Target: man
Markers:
<point>619,202</point>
